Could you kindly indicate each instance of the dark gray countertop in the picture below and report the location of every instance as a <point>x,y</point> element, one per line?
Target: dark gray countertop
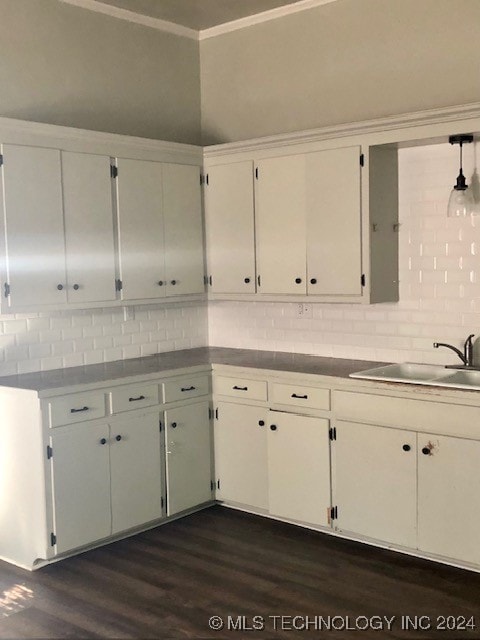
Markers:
<point>172,360</point>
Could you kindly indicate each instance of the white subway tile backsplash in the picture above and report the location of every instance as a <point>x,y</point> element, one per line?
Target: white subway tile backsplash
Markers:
<point>439,283</point>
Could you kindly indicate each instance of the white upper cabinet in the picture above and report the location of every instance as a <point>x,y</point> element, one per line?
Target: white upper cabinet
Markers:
<point>33,215</point>
<point>159,229</point>
<point>182,212</point>
<point>230,226</point>
<point>89,233</point>
<point>334,259</point>
<point>140,229</point>
<point>326,222</point>
<point>281,224</point>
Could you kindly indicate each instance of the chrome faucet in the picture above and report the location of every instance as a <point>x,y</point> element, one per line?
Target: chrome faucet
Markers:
<point>466,357</point>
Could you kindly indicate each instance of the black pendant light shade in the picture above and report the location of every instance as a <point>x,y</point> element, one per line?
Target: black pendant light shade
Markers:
<point>460,203</point>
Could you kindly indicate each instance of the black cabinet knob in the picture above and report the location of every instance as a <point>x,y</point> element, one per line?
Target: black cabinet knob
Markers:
<point>59,287</point>
<point>313,281</point>
<point>426,451</point>
<point>298,280</point>
<point>406,447</point>
<point>247,280</point>
<point>160,283</point>
<point>103,441</point>
<point>174,425</point>
<point>174,282</point>
<point>76,287</point>
<point>261,423</point>
<point>118,438</point>
<point>273,427</point>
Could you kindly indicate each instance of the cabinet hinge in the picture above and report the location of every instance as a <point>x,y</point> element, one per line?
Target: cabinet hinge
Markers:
<point>53,539</point>
<point>332,433</point>
<point>1,160</point>
<point>363,280</point>
<point>49,452</point>
<point>159,425</point>
<point>6,288</point>
<point>218,484</point>
<point>118,285</point>
<point>333,513</point>
<point>205,179</point>
<point>161,502</point>
<point>258,280</point>
<point>113,171</point>
<point>216,413</point>
<point>362,160</point>
<point>256,173</point>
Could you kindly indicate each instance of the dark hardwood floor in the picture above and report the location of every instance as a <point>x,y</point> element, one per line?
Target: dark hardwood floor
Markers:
<point>168,582</point>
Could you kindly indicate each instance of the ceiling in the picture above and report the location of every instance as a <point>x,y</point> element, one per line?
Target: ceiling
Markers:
<point>198,14</point>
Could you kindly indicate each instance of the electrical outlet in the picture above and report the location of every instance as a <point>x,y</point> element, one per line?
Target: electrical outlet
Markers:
<point>304,310</point>
<point>128,313</point>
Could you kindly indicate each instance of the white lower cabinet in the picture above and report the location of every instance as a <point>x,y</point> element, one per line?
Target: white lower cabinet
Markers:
<point>449,496</point>
<point>81,485</point>
<point>188,457</point>
<point>299,468</point>
<point>240,436</point>
<point>106,479</point>
<point>375,482</point>
<point>135,470</point>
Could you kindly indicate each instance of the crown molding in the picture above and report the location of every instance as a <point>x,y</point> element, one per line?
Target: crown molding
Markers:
<point>137,18</point>
<point>258,18</point>
<point>410,121</point>
<point>43,133</point>
<point>170,27</point>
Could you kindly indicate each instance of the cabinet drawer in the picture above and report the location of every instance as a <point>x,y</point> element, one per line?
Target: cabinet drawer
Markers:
<point>240,388</point>
<point>76,407</point>
<point>300,396</point>
<point>186,388</point>
<point>133,397</point>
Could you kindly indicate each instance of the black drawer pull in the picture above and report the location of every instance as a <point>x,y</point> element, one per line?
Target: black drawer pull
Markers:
<point>261,423</point>
<point>406,447</point>
<point>188,389</point>
<point>247,280</point>
<point>118,438</point>
<point>76,287</point>
<point>426,451</point>
<point>174,425</point>
<point>60,287</point>
<point>135,399</point>
<point>103,441</point>
<point>78,410</point>
<point>273,427</point>
<point>298,280</point>
<point>295,395</point>
<point>240,388</point>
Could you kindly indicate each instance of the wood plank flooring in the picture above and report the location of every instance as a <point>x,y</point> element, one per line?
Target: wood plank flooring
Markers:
<point>167,583</point>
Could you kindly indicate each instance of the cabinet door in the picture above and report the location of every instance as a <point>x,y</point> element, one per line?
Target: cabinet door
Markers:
<point>229,209</point>
<point>281,225</point>
<point>81,485</point>
<point>375,482</point>
<point>334,222</point>
<point>135,471</point>
<point>299,468</point>
<point>182,210</point>
<point>449,496</point>
<point>140,228</point>
<point>240,438</point>
<point>33,213</point>
<point>188,455</point>
<point>89,237</point>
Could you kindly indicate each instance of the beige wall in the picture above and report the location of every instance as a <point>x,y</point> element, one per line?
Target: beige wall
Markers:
<point>64,65</point>
<point>346,61</point>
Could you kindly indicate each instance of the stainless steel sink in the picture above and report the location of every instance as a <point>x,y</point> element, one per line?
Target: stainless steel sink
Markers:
<point>428,374</point>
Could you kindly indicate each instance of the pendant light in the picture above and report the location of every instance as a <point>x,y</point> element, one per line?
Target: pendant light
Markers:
<point>461,201</point>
